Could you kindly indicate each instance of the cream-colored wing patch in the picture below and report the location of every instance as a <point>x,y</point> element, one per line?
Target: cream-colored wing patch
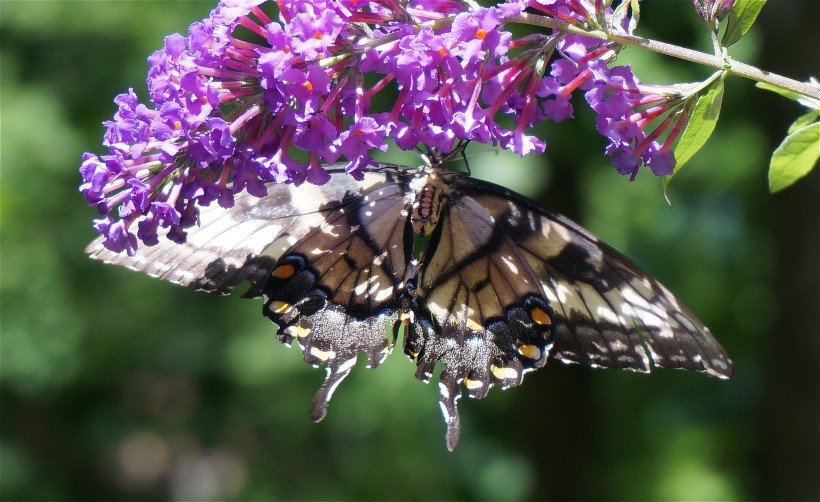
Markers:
<point>482,313</point>
<point>242,242</point>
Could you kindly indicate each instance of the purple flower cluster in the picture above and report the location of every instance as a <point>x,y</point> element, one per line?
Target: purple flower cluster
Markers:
<point>642,122</point>
<point>244,100</point>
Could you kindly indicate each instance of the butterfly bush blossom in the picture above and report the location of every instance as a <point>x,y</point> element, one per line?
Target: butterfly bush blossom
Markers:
<point>246,99</point>
<point>710,11</point>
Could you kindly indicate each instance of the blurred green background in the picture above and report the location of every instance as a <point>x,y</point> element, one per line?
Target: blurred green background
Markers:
<point>119,386</point>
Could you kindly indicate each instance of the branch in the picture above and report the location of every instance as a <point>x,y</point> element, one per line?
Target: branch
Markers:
<point>719,63</point>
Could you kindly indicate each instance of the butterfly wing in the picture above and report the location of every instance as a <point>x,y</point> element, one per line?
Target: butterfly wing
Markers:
<point>480,309</point>
<point>242,242</point>
<point>337,287</point>
<point>613,315</point>
<point>501,286</point>
<point>329,262</point>
<point>505,282</point>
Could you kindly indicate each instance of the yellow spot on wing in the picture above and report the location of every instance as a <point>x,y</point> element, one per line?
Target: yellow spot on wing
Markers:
<point>474,326</point>
<point>321,354</point>
<point>502,373</point>
<point>298,331</point>
<point>473,384</point>
<point>280,307</point>
<point>529,351</point>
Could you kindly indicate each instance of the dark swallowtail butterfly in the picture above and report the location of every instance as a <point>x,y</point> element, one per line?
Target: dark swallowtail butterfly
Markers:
<point>499,285</point>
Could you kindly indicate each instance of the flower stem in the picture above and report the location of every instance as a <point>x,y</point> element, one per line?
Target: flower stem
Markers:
<point>726,64</point>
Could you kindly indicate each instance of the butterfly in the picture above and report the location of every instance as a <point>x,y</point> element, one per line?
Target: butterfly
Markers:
<point>463,273</point>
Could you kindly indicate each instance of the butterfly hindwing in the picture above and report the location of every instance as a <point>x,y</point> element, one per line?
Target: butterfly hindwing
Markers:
<point>481,309</point>
<point>329,262</point>
<point>336,288</point>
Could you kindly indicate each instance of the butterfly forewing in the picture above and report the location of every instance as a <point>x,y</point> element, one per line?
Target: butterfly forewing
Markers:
<point>238,243</point>
<point>609,313</point>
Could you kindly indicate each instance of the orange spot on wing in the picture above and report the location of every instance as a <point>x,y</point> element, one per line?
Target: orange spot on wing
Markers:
<point>540,317</point>
<point>285,271</point>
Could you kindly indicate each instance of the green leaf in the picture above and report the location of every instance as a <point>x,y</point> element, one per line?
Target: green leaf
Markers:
<point>795,157</point>
<point>741,18</point>
<point>623,9</point>
<point>779,90</point>
<point>804,120</point>
<point>701,125</point>
<point>636,15</point>
<point>810,103</point>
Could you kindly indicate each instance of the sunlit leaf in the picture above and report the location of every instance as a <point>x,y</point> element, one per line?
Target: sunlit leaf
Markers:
<point>795,157</point>
<point>804,120</point>
<point>625,7</point>
<point>701,124</point>
<point>741,18</point>
<point>810,103</point>
<point>786,93</point>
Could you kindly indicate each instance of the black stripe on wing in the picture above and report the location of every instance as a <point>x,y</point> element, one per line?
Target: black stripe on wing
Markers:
<point>241,242</point>
<point>336,288</point>
<point>481,311</point>
<point>609,313</point>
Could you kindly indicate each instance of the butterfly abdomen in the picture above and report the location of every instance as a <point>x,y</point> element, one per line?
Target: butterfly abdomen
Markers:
<point>426,210</point>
